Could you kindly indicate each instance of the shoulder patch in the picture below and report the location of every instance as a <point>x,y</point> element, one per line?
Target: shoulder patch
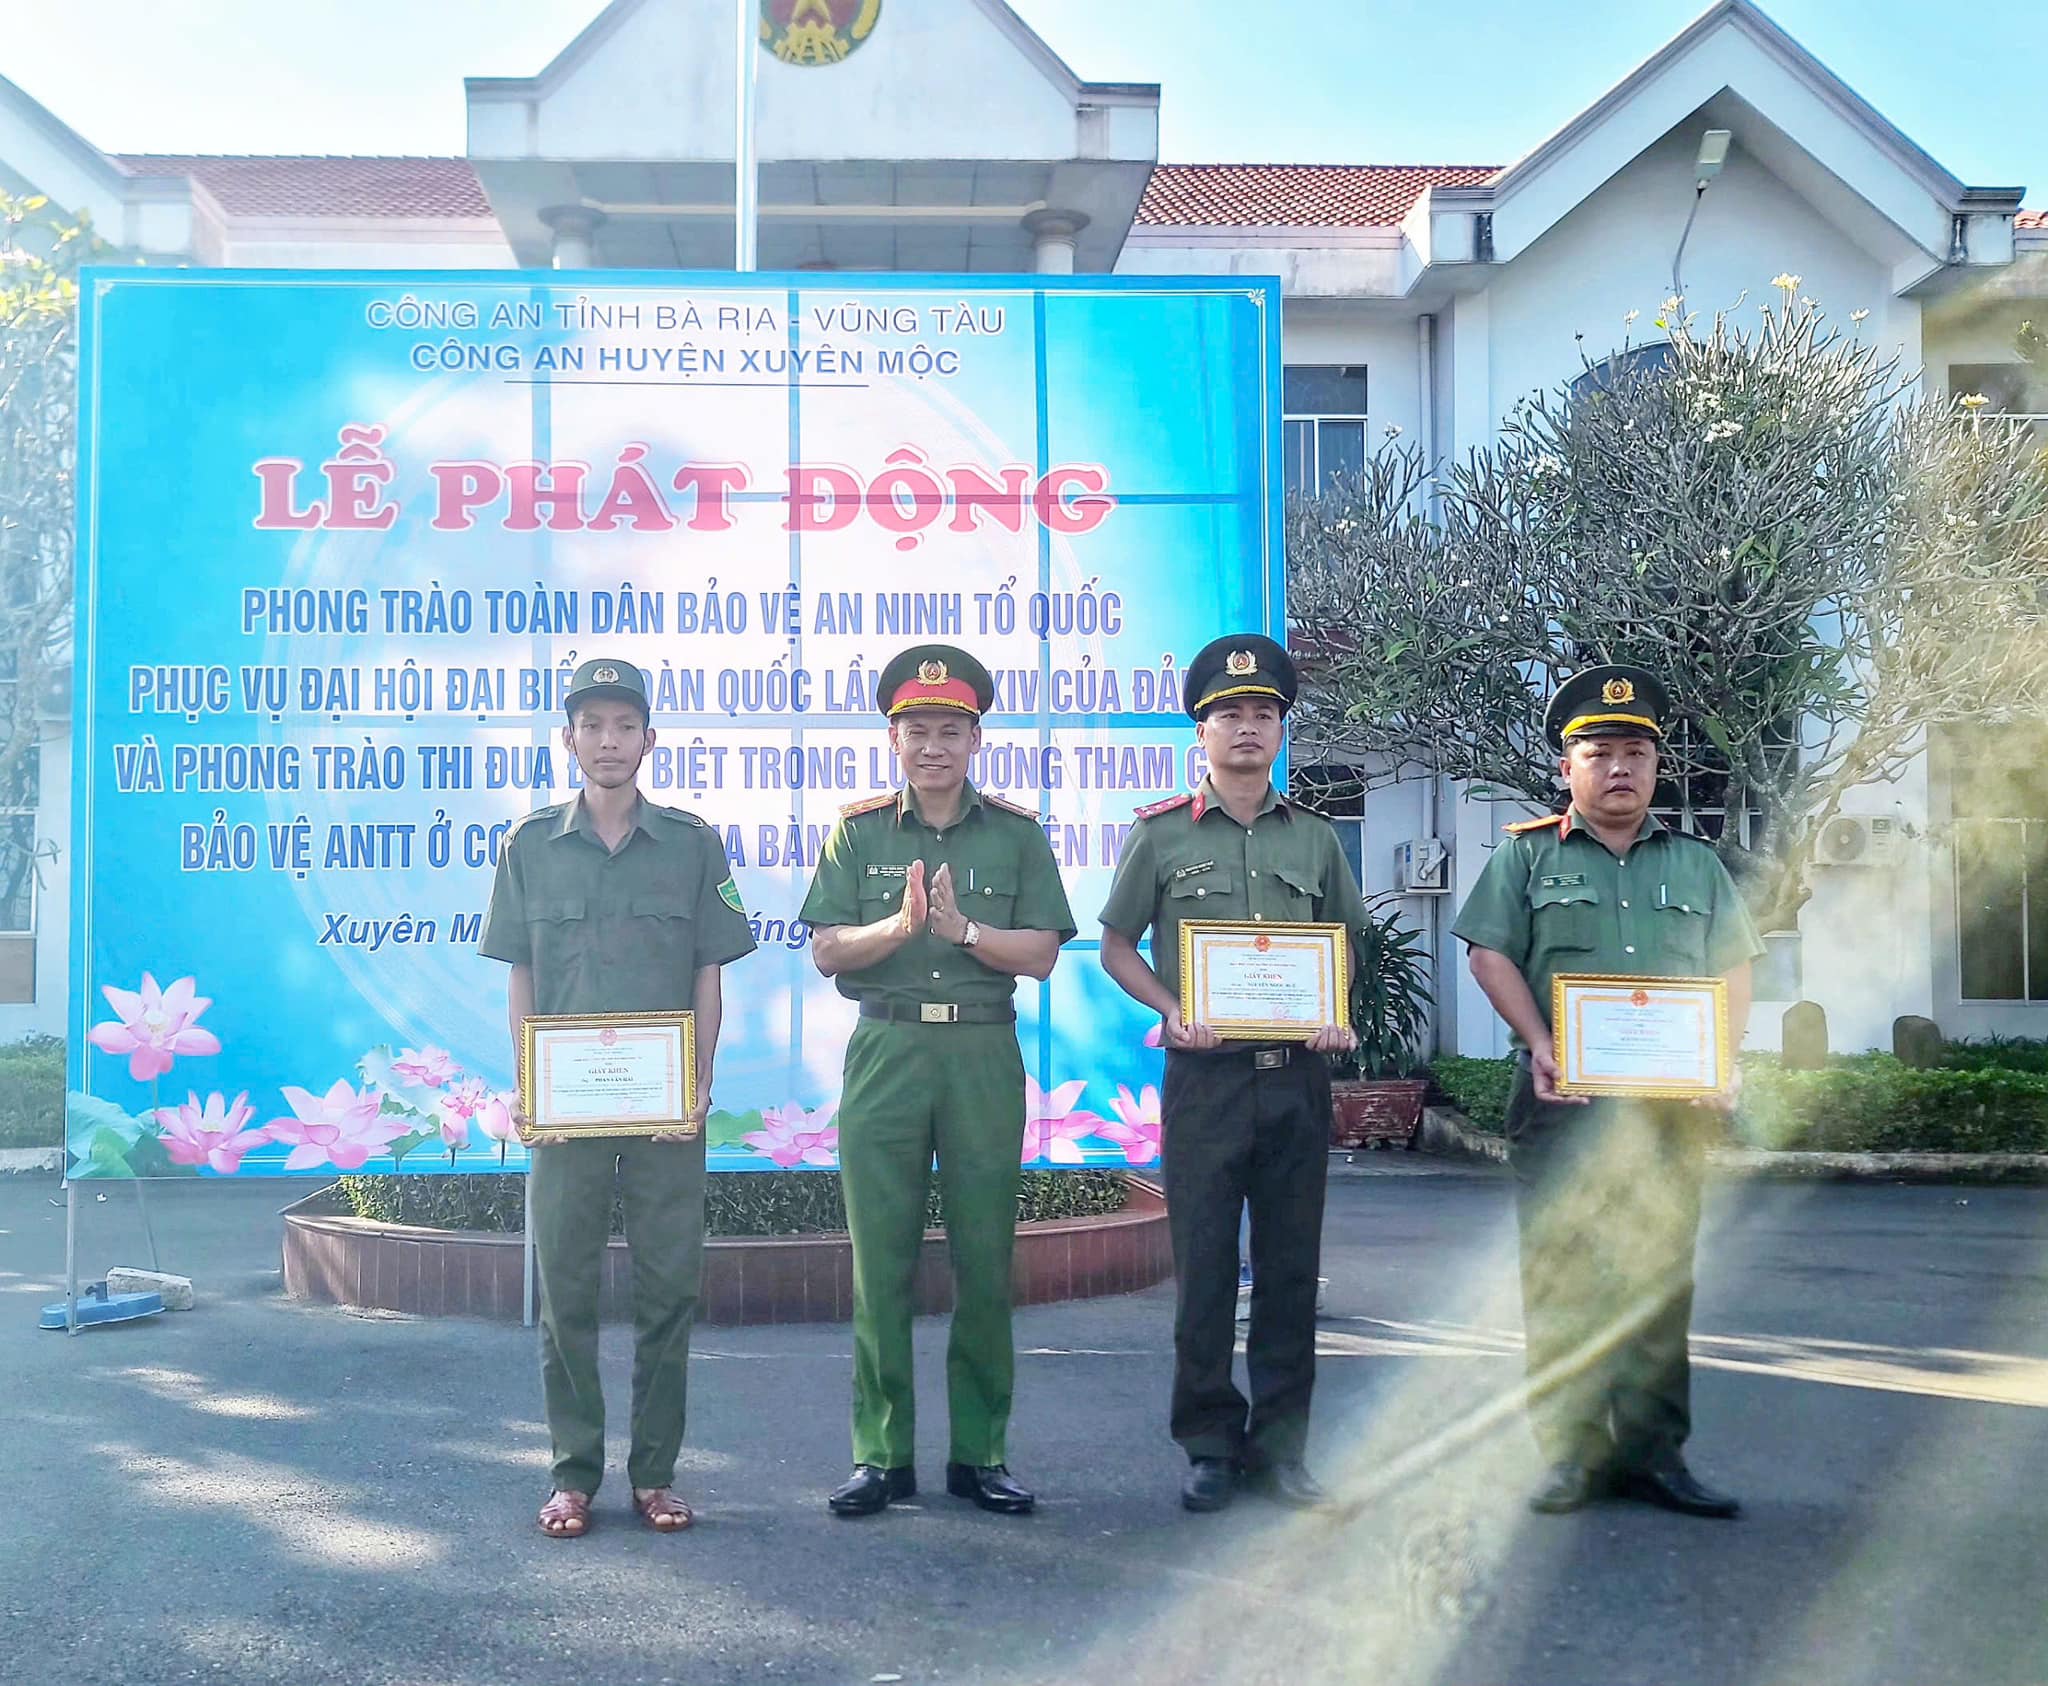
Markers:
<point>1520,826</point>
<point>1152,809</point>
<point>1009,807</point>
<point>867,805</point>
<point>729,893</point>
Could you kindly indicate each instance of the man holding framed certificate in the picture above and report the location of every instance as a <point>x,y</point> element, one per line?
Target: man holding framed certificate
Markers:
<point>615,916</point>
<point>1618,951</point>
<point>1251,906</point>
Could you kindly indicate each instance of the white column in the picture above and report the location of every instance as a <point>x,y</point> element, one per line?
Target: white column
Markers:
<point>1053,238</point>
<point>575,229</point>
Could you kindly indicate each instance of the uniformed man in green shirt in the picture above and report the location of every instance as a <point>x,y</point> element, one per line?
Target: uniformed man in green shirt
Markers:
<point>610,904</point>
<point>926,909</point>
<point>1607,1191</point>
<point>1245,1124</point>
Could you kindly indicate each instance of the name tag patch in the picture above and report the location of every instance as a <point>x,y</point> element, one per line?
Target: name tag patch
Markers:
<point>1560,880</point>
<point>879,871</point>
<point>1190,871</point>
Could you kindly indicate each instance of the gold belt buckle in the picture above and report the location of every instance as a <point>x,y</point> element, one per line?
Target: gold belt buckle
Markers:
<point>938,1012</point>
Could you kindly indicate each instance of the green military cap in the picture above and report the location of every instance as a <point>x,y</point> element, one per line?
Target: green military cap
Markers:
<point>934,676</point>
<point>1243,664</point>
<point>1607,702</point>
<point>605,680</point>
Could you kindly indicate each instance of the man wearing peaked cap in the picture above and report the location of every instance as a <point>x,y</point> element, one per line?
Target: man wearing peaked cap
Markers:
<point>611,904</point>
<point>927,908</point>
<point>1246,1125</point>
<point>1607,1191</point>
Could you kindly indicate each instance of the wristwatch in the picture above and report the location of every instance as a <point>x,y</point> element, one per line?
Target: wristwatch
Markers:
<point>970,936</point>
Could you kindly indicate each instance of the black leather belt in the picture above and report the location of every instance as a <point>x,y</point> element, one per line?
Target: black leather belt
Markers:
<point>938,1012</point>
<point>1262,1059</point>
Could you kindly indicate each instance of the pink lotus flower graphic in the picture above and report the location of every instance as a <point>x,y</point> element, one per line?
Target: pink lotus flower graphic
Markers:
<point>794,1137</point>
<point>1052,1128</point>
<point>494,1118</point>
<point>1156,1036</point>
<point>427,1068</point>
<point>154,1026</point>
<point>340,1128</point>
<point>1136,1129</point>
<point>212,1134</point>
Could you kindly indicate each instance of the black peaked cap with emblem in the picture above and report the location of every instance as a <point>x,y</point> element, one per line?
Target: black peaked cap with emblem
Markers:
<point>1241,664</point>
<point>1607,702</point>
<point>934,676</point>
<point>604,679</point>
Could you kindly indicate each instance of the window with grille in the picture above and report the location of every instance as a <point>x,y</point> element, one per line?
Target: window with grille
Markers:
<point>1325,416</point>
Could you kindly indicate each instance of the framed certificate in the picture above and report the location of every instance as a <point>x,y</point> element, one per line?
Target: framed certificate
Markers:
<point>1262,980</point>
<point>1653,1038</point>
<point>608,1074</point>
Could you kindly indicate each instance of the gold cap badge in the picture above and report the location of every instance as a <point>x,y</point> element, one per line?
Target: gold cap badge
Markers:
<point>1617,691</point>
<point>931,673</point>
<point>604,676</point>
<point>1240,662</point>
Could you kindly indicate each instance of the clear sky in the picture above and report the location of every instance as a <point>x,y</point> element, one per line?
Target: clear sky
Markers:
<point>1368,81</point>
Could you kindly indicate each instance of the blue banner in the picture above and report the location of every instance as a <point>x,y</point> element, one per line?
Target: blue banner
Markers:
<point>343,536</point>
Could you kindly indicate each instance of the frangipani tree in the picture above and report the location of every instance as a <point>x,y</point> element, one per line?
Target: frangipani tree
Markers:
<point>1821,568</point>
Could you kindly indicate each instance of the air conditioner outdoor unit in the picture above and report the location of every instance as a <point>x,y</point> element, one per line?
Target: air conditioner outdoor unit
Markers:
<point>1857,840</point>
<point>1422,867</point>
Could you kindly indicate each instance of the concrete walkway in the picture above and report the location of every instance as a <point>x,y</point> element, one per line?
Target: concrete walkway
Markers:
<point>258,1492</point>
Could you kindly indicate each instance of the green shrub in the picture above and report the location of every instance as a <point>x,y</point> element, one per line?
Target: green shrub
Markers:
<point>1477,1088</point>
<point>32,1092</point>
<point>735,1202</point>
<point>1873,1104</point>
<point>2012,1053</point>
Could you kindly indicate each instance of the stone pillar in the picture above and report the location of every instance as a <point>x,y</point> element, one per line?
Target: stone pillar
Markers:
<point>575,229</point>
<point>1053,235</point>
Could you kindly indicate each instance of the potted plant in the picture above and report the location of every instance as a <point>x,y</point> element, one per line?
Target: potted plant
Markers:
<point>1376,1094</point>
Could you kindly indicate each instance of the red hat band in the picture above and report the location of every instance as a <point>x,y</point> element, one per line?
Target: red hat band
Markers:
<point>924,693</point>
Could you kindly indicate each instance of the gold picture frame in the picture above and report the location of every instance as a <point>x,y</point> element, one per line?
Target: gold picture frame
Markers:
<point>1572,993</point>
<point>669,1038</point>
<point>1328,944</point>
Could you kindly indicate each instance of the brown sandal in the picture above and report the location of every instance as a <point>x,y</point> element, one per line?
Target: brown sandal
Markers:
<point>662,1511</point>
<point>566,1516</point>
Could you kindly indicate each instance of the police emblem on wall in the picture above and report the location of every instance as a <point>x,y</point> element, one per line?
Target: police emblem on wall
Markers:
<point>816,31</point>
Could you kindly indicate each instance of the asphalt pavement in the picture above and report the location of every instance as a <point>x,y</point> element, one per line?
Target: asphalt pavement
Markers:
<point>258,1491</point>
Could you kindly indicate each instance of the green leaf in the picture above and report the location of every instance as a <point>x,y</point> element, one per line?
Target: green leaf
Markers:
<point>83,1112</point>
<point>405,1144</point>
<point>108,1155</point>
<point>147,1158</point>
<point>727,1129</point>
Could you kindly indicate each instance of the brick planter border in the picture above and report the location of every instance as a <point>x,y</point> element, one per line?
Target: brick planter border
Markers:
<point>341,1260</point>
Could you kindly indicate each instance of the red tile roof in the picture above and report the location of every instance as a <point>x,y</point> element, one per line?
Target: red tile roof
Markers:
<point>1296,195</point>
<point>2031,219</point>
<point>263,186</point>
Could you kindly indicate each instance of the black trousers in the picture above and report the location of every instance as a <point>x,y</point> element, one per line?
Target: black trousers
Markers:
<point>1237,1135</point>
<point>1608,1200</point>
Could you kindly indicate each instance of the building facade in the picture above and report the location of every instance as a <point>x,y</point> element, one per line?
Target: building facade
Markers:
<point>1420,301</point>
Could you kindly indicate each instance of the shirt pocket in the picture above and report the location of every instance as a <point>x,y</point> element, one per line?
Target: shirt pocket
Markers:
<point>881,897</point>
<point>1194,896</point>
<point>560,931</point>
<point>1565,916</point>
<point>1682,939</point>
<point>992,899</point>
<point>658,940</point>
<point>1300,891</point>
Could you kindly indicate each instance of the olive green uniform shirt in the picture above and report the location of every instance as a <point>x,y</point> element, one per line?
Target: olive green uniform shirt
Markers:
<point>1192,860</point>
<point>1554,898</point>
<point>1004,876</point>
<point>606,931</point>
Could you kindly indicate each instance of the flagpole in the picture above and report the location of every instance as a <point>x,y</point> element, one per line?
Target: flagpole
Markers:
<point>746,177</point>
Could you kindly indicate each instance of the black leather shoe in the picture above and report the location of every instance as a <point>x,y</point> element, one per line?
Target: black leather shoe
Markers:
<point>1288,1484</point>
<point>872,1488</point>
<point>1568,1487</point>
<point>1210,1484</point>
<point>990,1486</point>
<point>1671,1485</point>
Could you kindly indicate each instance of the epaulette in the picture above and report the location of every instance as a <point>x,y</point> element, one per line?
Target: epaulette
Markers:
<point>682,814</point>
<point>1153,809</point>
<point>553,811</point>
<point>1030,814</point>
<point>867,805</point>
<point>1520,826</point>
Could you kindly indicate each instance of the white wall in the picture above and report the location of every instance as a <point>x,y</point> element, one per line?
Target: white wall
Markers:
<point>1613,254</point>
